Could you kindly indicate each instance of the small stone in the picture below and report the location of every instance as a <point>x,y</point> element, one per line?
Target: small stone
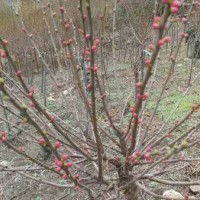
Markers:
<point>68,91</point>
<point>50,98</point>
<point>195,189</point>
<point>172,194</point>
<point>65,92</point>
<point>4,163</point>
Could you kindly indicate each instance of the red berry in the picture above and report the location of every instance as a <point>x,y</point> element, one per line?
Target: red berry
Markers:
<point>65,156</point>
<point>196,3</point>
<point>161,43</point>
<point>65,43</point>
<point>145,96</point>
<point>65,176</point>
<point>19,73</point>
<point>58,163</point>
<point>97,42</point>
<point>61,9</point>
<point>137,153</point>
<point>138,85</point>
<point>42,141</point>
<point>147,62</point>
<point>167,39</point>
<point>52,118</point>
<point>77,177</point>
<point>69,164</point>
<point>87,36</point>
<point>3,54</point>
<point>130,158</point>
<point>184,19</point>
<point>156,26</point>
<point>94,48</point>
<point>135,115</point>
<point>94,68</point>
<point>149,149</point>
<point>3,139</point>
<point>55,161</point>
<point>76,187</point>
<point>174,10</point>
<point>139,96</point>
<point>89,86</point>
<point>184,35</point>
<point>87,53</point>
<point>147,156</point>
<point>21,149</point>
<point>87,59</point>
<point>151,47</point>
<point>85,17</point>
<point>30,95</point>
<point>157,19</point>
<point>5,42</point>
<point>57,145</point>
<point>32,90</point>
<point>58,169</point>
<point>70,41</point>
<point>132,109</point>
<point>67,26</point>
<point>88,49</point>
<point>81,30</point>
<point>176,4</point>
<point>3,133</point>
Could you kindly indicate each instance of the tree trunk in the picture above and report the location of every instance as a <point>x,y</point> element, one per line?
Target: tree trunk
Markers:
<point>131,193</point>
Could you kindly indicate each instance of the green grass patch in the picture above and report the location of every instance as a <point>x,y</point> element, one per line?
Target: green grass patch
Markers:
<point>168,103</point>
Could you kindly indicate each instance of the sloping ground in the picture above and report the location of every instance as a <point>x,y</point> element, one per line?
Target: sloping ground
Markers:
<point>13,186</point>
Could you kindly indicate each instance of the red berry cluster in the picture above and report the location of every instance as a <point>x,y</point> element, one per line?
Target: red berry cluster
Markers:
<point>3,136</point>
<point>174,5</point>
<point>2,53</point>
